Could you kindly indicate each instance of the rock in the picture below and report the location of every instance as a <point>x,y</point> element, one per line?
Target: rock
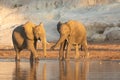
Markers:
<point>113,35</point>
<point>118,24</point>
<point>98,37</point>
<point>108,30</point>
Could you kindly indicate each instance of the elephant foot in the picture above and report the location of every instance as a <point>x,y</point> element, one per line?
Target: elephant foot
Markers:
<point>45,56</point>
<point>77,57</point>
<point>67,59</point>
<point>36,59</point>
<point>61,58</point>
<point>84,56</point>
<point>17,59</point>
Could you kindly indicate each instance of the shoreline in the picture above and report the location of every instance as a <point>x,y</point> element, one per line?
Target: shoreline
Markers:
<point>98,51</point>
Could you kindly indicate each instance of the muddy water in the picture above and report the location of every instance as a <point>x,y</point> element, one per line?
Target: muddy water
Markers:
<point>64,70</point>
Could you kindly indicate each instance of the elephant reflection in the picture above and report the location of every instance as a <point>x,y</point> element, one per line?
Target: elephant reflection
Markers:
<point>18,73</point>
<point>25,37</point>
<point>81,73</point>
<point>33,72</point>
<point>26,74</point>
<point>67,72</point>
<point>72,33</point>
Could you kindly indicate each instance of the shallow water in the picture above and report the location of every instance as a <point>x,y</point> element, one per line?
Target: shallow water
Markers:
<point>59,70</point>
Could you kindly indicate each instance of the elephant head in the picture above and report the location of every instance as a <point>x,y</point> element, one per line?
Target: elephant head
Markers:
<point>39,33</point>
<point>34,31</point>
<point>28,28</point>
<point>64,30</point>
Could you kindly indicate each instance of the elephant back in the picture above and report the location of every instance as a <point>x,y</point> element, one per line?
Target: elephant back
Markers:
<point>75,25</point>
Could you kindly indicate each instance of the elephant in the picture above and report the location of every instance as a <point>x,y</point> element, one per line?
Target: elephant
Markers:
<point>26,36</point>
<point>71,33</point>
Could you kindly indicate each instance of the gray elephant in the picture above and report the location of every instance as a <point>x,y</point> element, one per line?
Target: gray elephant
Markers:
<point>71,33</point>
<point>25,37</point>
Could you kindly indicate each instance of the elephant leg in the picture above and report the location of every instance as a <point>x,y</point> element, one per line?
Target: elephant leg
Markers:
<point>61,52</point>
<point>67,56</point>
<point>35,44</point>
<point>17,58</point>
<point>31,57</point>
<point>65,44</point>
<point>44,46</point>
<point>31,47</point>
<point>76,51</point>
<point>86,49</point>
<point>62,48</point>
<point>34,54</point>
<point>81,48</point>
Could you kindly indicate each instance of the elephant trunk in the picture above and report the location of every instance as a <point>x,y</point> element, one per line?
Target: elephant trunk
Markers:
<point>44,45</point>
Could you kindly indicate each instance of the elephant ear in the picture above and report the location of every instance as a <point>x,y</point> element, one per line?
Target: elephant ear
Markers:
<point>28,27</point>
<point>41,26</point>
<point>58,26</point>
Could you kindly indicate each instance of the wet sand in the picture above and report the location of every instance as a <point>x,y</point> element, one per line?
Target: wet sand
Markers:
<point>98,51</point>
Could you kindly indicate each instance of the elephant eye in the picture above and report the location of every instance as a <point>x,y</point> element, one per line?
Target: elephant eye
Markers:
<point>38,33</point>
